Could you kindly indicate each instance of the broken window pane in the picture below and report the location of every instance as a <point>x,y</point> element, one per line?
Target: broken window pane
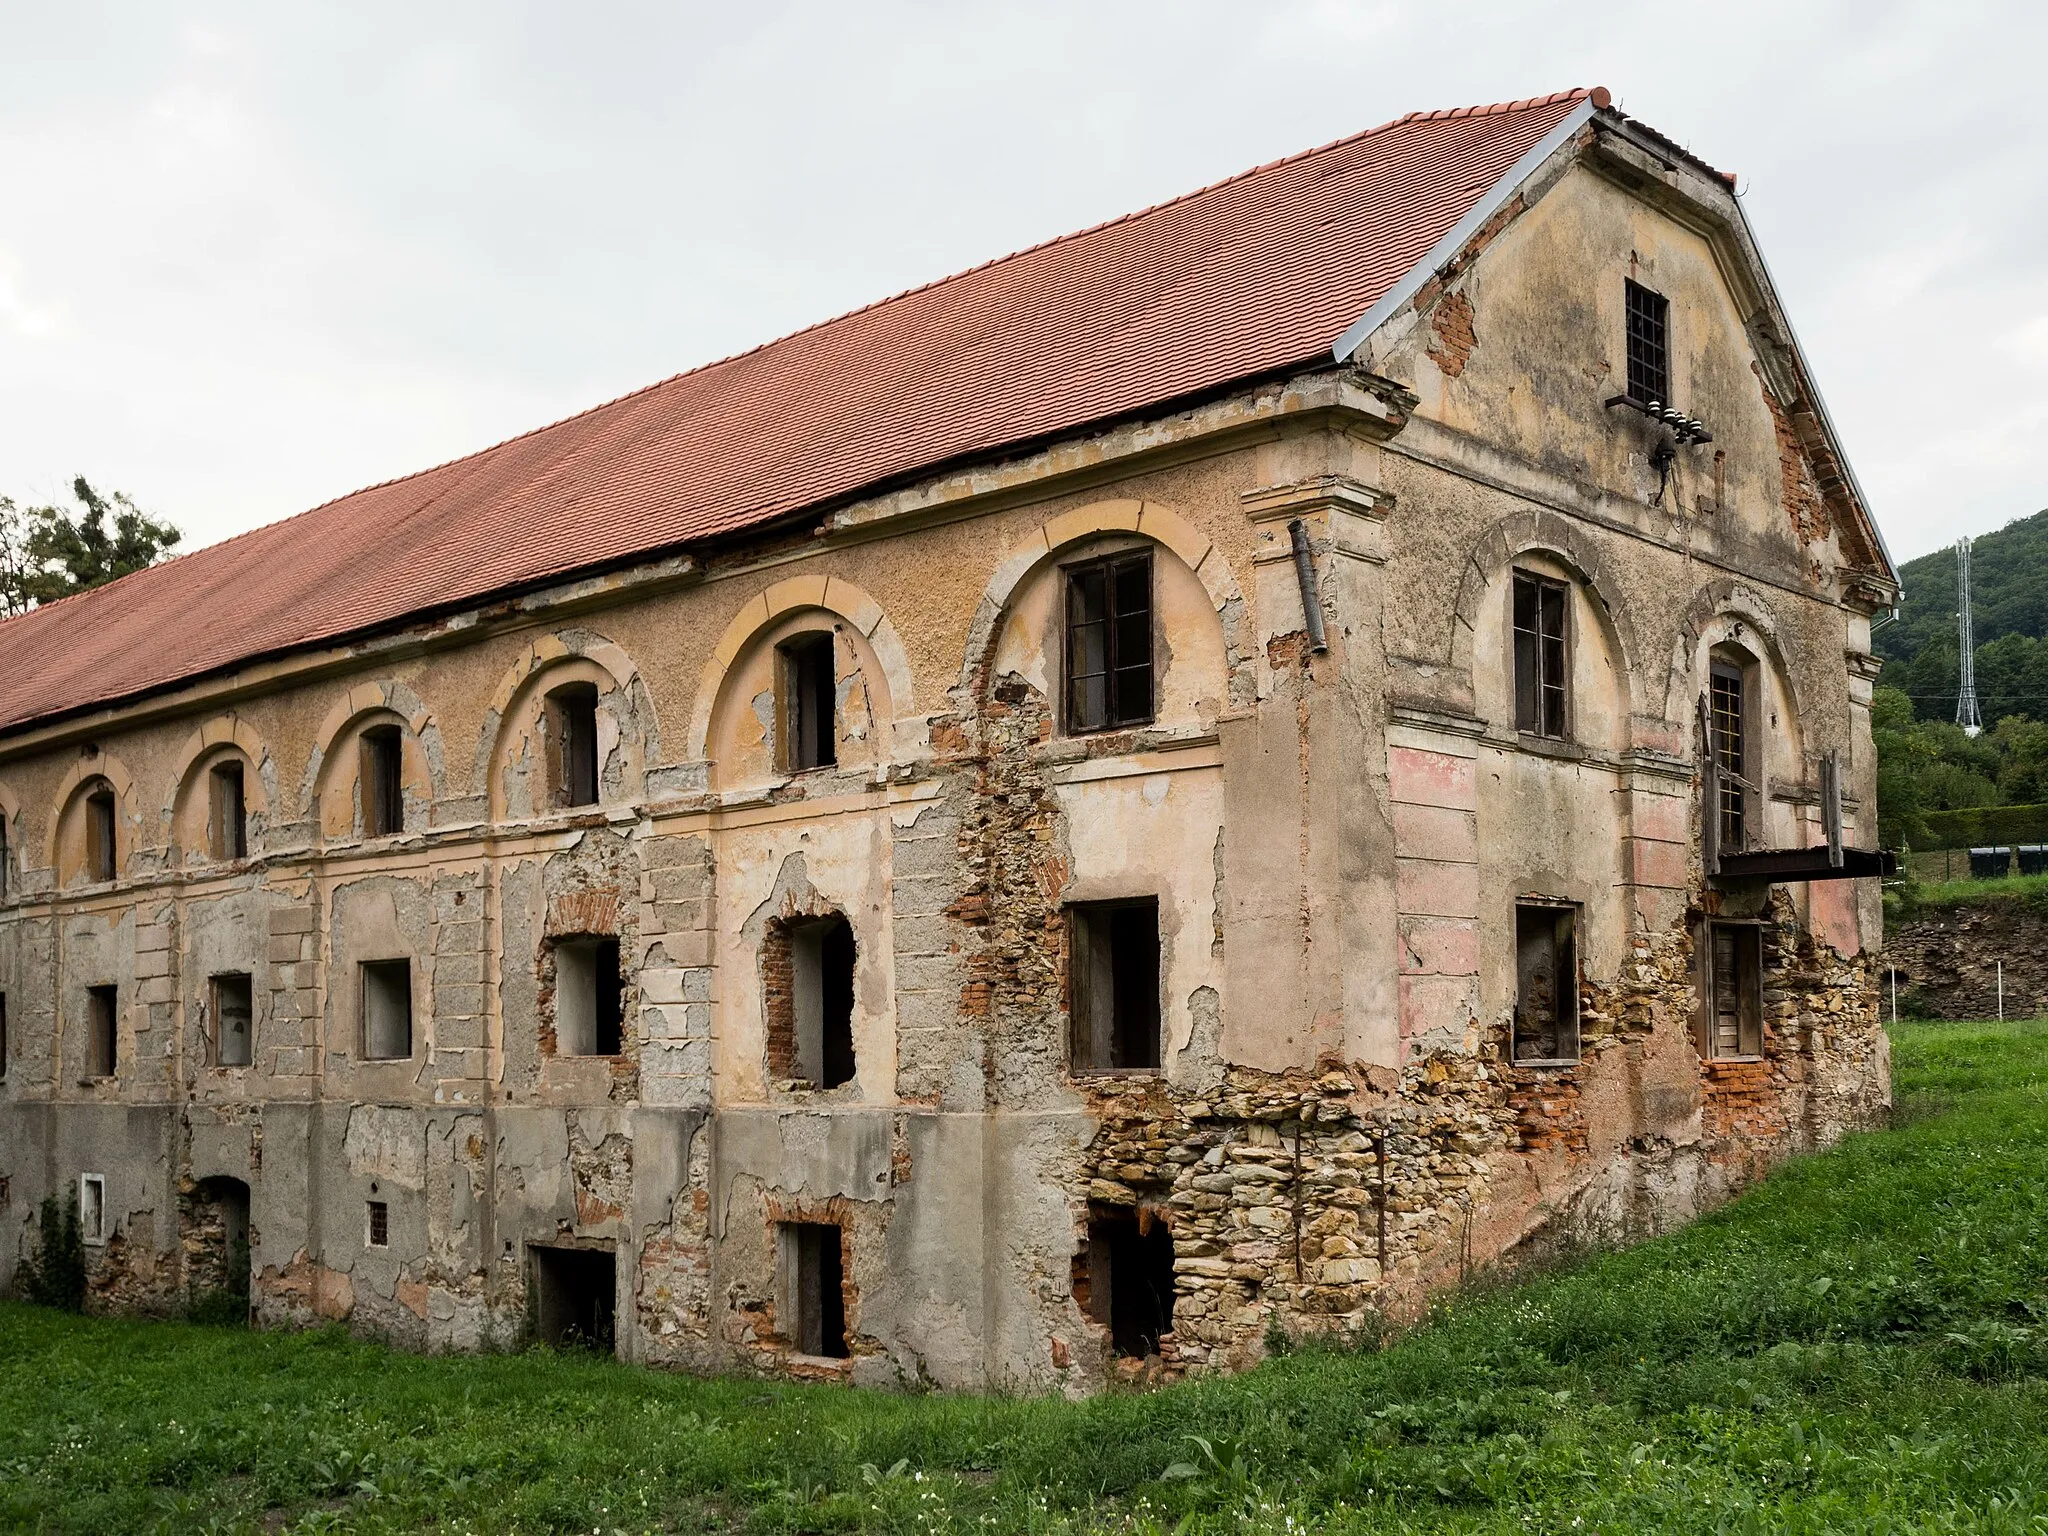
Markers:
<point>814,1290</point>
<point>227,827</point>
<point>809,703</point>
<point>1109,643</point>
<point>1730,746</point>
<point>572,720</point>
<point>1113,985</point>
<point>387,1009</point>
<point>588,990</point>
<point>234,1009</point>
<point>383,788</point>
<point>1547,988</point>
<point>1541,678</point>
<point>102,1024</point>
<point>1649,348</point>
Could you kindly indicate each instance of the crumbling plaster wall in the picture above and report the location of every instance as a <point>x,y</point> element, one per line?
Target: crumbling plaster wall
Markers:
<point>1336,838</point>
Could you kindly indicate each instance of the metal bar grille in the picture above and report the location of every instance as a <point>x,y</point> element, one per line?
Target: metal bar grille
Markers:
<point>1726,717</point>
<point>1649,357</point>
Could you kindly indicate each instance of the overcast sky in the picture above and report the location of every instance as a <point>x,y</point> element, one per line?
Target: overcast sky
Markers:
<point>255,256</point>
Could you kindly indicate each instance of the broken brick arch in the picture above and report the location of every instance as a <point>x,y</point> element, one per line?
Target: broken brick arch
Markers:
<point>223,738</point>
<point>839,605</point>
<point>549,663</point>
<point>1054,539</point>
<point>333,767</point>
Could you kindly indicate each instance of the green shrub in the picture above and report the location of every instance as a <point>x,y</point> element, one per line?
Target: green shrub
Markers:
<point>54,1276</point>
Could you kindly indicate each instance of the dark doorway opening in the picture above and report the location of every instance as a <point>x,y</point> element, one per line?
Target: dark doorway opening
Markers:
<point>216,1237</point>
<point>575,1297</point>
<point>1127,1279</point>
<point>1114,985</point>
<point>815,1286</point>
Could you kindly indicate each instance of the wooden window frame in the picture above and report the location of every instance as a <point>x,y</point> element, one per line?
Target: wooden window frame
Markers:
<point>1748,934</point>
<point>1565,915</point>
<point>1736,781</point>
<point>1082,918</point>
<point>1647,330</point>
<point>1109,567</point>
<point>1550,713</point>
<point>227,811</point>
<point>102,833</point>
<point>381,772</point>
<point>809,712</point>
<point>103,1031</point>
<point>574,780</point>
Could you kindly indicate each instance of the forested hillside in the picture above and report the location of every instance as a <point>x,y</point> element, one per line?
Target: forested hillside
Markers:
<point>2010,590</point>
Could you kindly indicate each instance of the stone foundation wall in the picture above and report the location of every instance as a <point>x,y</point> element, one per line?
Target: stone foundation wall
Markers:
<point>1947,961</point>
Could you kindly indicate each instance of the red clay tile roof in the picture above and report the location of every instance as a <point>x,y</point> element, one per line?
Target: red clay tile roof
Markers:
<point>1242,279</point>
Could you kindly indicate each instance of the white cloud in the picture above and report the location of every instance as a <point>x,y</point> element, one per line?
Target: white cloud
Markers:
<point>253,256</point>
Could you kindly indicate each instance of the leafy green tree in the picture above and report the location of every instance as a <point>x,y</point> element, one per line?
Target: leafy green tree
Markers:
<point>2023,775</point>
<point>52,552</point>
<point>79,552</point>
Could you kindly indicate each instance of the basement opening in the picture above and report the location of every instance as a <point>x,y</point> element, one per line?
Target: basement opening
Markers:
<point>575,1297</point>
<point>1114,985</point>
<point>1123,1277</point>
<point>814,1287</point>
<point>587,997</point>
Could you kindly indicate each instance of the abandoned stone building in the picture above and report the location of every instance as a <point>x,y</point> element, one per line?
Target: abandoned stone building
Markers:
<point>1206,777</point>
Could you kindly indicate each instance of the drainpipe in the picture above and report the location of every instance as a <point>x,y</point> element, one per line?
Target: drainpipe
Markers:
<point>1305,574</point>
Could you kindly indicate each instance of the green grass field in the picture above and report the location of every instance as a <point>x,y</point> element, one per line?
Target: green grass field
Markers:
<point>1861,1344</point>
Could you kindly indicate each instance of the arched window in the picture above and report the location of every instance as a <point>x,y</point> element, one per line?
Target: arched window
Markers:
<point>101,831</point>
<point>572,744</point>
<point>807,681</point>
<point>1734,742</point>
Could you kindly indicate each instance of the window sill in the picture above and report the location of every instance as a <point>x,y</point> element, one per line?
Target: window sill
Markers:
<point>1562,747</point>
<point>1734,1061</point>
<point>1096,1074</point>
<point>1549,1061</point>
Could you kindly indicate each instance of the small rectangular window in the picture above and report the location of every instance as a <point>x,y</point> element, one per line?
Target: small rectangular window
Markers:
<point>1546,983</point>
<point>383,782</point>
<point>1726,716</point>
<point>102,1021</point>
<point>1113,985</point>
<point>227,827</point>
<point>234,1016</point>
<point>814,1287</point>
<point>1649,346</point>
<point>380,1224</point>
<point>100,834</point>
<point>387,1009</point>
<point>587,996</point>
<point>92,1207</point>
<point>810,714</point>
<point>1731,991</point>
<point>1542,695</point>
<point>1109,643</point>
<point>572,714</point>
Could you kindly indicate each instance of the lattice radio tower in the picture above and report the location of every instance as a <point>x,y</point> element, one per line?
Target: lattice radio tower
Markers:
<point>1967,715</point>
